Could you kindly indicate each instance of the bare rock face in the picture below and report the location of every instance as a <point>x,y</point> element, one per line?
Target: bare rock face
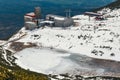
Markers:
<point>18,46</point>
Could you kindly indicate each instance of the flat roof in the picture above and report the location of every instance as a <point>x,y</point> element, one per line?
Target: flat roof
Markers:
<point>57,17</point>
<point>92,14</point>
<point>31,14</point>
<point>30,22</point>
<point>47,21</point>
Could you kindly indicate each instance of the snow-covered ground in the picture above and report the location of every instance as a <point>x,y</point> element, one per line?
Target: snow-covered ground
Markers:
<point>96,39</point>
<point>2,42</point>
<point>42,60</point>
<point>52,61</point>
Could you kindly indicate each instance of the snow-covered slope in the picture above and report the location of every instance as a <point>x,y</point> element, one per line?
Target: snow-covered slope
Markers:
<point>43,60</point>
<point>95,39</point>
<point>54,61</point>
<point>98,39</point>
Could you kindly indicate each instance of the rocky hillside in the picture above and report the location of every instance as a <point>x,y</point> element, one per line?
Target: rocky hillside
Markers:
<point>113,5</point>
<point>14,72</point>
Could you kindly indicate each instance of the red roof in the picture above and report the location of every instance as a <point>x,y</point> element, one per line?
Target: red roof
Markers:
<point>30,14</point>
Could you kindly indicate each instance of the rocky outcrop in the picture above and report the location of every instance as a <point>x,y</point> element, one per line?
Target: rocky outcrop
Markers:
<point>113,5</point>
<point>79,77</point>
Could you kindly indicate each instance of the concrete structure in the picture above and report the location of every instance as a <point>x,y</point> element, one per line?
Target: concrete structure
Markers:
<point>60,21</point>
<point>64,23</point>
<point>30,25</point>
<point>30,21</point>
<point>29,17</point>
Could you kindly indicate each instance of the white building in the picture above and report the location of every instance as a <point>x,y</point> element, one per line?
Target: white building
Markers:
<point>60,21</point>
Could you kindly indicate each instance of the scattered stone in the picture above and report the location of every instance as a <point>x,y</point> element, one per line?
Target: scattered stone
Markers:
<point>112,54</point>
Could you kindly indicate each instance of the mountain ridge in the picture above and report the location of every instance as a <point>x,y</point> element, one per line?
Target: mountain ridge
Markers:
<point>112,5</point>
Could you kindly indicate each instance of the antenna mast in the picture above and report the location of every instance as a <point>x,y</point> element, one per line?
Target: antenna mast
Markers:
<point>68,13</point>
<point>37,14</point>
